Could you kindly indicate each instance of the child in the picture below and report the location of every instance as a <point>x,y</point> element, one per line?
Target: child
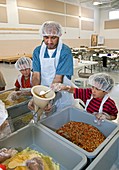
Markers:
<point>96,98</point>
<point>24,65</point>
<point>23,83</point>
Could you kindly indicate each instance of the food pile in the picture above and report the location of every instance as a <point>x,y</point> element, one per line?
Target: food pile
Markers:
<point>4,95</point>
<point>41,95</point>
<point>84,135</point>
<point>29,159</point>
<point>22,121</point>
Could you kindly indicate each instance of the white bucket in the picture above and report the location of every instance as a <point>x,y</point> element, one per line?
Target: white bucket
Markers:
<point>39,101</point>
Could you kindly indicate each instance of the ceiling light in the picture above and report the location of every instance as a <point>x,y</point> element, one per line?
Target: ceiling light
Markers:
<point>97,2</point>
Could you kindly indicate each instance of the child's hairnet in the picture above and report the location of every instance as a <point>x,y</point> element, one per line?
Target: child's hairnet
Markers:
<point>23,63</point>
<point>51,28</point>
<point>101,81</point>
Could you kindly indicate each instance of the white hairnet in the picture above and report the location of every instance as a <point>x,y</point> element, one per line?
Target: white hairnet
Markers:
<point>23,63</point>
<point>51,28</point>
<point>101,81</point>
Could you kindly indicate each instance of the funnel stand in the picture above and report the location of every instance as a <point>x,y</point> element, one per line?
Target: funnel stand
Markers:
<point>37,113</point>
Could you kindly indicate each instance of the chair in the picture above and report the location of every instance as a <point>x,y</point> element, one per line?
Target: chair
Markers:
<point>100,62</point>
<point>116,63</point>
<point>84,77</point>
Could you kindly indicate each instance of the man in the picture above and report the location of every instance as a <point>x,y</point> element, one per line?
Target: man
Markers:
<point>4,124</point>
<point>2,82</point>
<point>53,62</point>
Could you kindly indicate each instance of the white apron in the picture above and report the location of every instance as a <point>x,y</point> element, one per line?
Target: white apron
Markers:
<point>102,103</point>
<point>48,71</point>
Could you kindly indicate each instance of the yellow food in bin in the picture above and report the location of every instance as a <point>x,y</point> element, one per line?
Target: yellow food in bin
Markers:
<point>8,103</point>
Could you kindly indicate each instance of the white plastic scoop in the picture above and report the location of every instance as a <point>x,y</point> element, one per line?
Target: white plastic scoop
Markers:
<point>44,92</point>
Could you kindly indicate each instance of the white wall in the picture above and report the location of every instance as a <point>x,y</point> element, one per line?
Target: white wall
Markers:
<point>111,35</point>
<point>74,37</point>
<point>14,23</point>
<point>107,33</point>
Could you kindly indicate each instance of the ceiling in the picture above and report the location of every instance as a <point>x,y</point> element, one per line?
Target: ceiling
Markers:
<point>106,4</point>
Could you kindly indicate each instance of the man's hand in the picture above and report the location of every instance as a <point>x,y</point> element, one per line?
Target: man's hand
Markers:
<point>57,87</point>
<point>31,105</point>
<point>47,109</point>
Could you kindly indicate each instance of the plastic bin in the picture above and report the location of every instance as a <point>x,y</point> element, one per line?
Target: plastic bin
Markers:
<point>108,159</point>
<point>20,121</point>
<point>17,109</point>
<point>38,138</point>
<point>108,128</point>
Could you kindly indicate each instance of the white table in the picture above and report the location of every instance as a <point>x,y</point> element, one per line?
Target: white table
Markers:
<point>112,56</point>
<point>105,57</point>
<point>84,64</point>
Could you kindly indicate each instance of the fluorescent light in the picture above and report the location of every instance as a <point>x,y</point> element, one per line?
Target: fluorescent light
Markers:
<point>97,2</point>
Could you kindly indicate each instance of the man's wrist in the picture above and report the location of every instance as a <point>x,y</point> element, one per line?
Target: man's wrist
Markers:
<point>68,88</point>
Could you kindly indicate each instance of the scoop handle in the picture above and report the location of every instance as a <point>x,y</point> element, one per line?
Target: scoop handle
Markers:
<point>46,92</point>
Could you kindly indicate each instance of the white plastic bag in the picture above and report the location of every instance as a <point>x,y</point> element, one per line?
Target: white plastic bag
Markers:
<point>57,86</point>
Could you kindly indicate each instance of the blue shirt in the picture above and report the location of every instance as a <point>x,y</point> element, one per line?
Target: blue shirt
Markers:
<point>65,64</point>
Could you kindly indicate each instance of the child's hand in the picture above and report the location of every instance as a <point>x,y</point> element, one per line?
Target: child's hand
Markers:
<point>102,116</point>
<point>14,95</point>
<point>25,91</point>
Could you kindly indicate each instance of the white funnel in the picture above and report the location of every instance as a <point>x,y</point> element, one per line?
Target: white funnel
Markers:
<point>39,101</point>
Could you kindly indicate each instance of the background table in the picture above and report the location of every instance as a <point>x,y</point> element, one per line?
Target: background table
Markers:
<point>85,65</point>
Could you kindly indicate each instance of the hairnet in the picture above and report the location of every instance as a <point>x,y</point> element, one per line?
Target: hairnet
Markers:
<point>51,28</point>
<point>23,63</point>
<point>101,81</point>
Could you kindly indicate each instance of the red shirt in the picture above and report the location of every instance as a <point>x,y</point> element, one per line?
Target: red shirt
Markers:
<point>24,83</point>
<point>109,106</point>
